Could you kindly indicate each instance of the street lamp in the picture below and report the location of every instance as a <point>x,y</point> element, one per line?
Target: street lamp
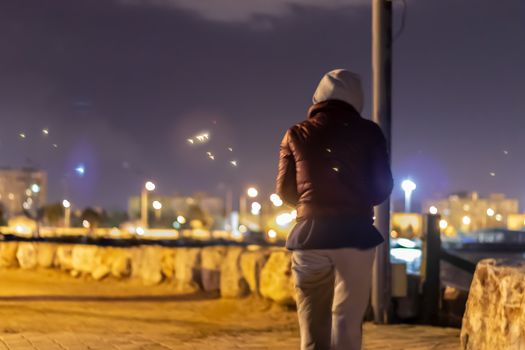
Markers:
<point>157,206</point>
<point>148,187</point>
<point>252,192</point>
<point>67,212</point>
<point>408,187</point>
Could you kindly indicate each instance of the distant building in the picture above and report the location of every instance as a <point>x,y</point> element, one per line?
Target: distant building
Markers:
<point>173,206</point>
<point>406,225</point>
<point>468,211</point>
<point>21,188</point>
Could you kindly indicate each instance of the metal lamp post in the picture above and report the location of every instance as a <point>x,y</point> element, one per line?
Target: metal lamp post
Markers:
<point>67,212</point>
<point>148,187</point>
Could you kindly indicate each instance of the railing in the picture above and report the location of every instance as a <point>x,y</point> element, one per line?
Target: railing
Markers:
<point>433,254</point>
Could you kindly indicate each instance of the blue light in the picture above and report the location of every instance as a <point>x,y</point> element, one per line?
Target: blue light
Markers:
<point>80,170</point>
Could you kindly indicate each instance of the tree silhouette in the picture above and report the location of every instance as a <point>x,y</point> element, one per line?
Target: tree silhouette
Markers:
<point>53,213</point>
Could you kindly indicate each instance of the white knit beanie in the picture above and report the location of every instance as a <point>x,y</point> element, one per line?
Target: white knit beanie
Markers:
<point>343,85</point>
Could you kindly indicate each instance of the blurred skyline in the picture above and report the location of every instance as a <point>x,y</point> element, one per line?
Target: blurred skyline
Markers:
<point>121,85</point>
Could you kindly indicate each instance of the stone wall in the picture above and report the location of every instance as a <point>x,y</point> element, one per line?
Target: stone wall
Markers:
<point>494,318</point>
<point>231,270</point>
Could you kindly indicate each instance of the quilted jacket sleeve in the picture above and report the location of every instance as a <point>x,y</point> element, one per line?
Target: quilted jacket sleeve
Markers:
<point>286,184</point>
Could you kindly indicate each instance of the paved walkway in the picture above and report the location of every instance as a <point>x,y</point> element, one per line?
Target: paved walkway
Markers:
<point>48,312</point>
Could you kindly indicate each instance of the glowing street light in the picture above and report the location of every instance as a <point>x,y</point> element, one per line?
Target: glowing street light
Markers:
<point>67,212</point>
<point>443,224</point>
<point>148,187</point>
<point>408,187</point>
<point>490,212</point>
<point>181,219</point>
<point>433,210</point>
<point>276,200</point>
<point>157,206</point>
<point>35,188</point>
<point>466,220</point>
<point>252,192</point>
<point>256,208</point>
<point>80,170</point>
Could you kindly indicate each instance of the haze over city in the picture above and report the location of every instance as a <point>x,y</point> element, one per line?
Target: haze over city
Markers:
<point>121,86</point>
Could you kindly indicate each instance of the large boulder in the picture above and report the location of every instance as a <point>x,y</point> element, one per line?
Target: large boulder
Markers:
<point>276,278</point>
<point>27,255</point>
<point>150,265</point>
<point>211,261</point>
<point>64,257</point>
<point>46,253</point>
<point>167,263</point>
<point>121,263</point>
<point>252,263</point>
<point>83,258</point>
<point>494,318</point>
<point>233,284</point>
<point>8,254</point>
<point>187,269</point>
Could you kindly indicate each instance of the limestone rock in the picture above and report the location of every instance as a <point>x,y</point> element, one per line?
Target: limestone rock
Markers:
<point>233,284</point>
<point>252,263</point>
<point>46,253</point>
<point>494,318</point>
<point>276,281</point>
<point>100,272</point>
<point>211,260</point>
<point>187,268</point>
<point>167,263</point>
<point>121,263</point>
<point>27,255</point>
<point>64,257</point>
<point>83,258</point>
<point>8,254</point>
<point>150,266</point>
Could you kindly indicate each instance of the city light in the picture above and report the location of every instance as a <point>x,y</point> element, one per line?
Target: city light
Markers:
<point>157,205</point>
<point>252,192</point>
<point>243,229</point>
<point>466,220</point>
<point>256,208</point>
<point>35,188</point>
<point>276,200</point>
<point>85,224</point>
<point>499,217</point>
<point>66,203</point>
<point>272,234</point>
<point>149,186</point>
<point>80,170</point>
<point>284,219</point>
<point>139,231</point>
<point>408,187</point>
<point>181,219</point>
<point>45,131</point>
<point>490,212</point>
<point>433,210</point>
<point>406,243</point>
<point>443,224</point>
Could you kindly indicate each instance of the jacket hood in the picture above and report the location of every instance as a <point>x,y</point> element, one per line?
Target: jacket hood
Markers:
<point>333,108</point>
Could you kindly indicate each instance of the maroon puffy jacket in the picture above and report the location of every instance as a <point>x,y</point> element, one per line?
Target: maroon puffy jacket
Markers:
<point>334,163</point>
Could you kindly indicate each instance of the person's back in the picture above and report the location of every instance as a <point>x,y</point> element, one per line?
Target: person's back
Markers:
<point>333,168</point>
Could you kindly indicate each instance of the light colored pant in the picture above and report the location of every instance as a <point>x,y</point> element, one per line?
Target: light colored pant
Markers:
<point>333,291</point>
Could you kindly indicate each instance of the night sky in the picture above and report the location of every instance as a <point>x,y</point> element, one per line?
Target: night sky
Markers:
<point>121,86</point>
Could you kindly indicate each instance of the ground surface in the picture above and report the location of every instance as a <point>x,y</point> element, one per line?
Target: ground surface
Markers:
<point>50,310</point>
